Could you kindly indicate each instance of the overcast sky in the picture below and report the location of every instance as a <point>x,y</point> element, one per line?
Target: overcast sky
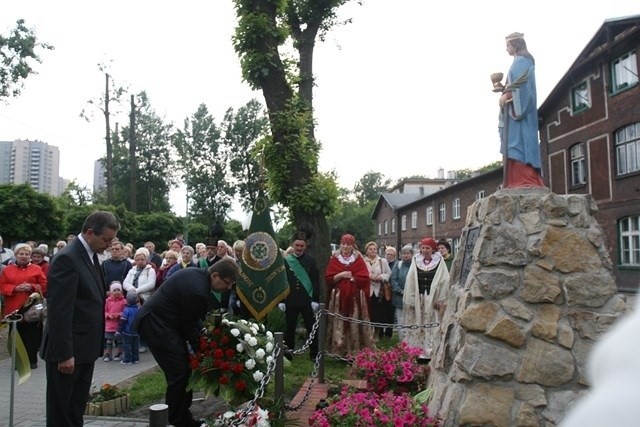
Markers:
<point>403,90</point>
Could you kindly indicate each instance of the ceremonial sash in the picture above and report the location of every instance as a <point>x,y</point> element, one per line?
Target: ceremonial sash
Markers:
<point>300,273</point>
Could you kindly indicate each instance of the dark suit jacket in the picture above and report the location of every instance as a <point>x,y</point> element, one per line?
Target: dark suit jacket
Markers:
<point>298,295</point>
<point>75,304</point>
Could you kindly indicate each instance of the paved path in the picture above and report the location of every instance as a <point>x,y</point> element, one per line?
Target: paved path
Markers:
<point>29,398</point>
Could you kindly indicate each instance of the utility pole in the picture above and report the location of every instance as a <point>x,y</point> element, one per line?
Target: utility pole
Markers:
<point>108,140</point>
<point>132,156</point>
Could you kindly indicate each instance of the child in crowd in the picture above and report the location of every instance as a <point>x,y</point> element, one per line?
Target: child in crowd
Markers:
<point>113,308</point>
<point>130,337</point>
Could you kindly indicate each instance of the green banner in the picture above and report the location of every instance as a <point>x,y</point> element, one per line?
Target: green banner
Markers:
<point>263,280</point>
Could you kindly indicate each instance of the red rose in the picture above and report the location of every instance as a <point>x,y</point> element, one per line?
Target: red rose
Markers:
<point>216,364</point>
<point>229,353</point>
<point>237,369</point>
<point>218,354</point>
<point>225,339</point>
<point>213,344</point>
<point>224,379</point>
<point>241,385</point>
<point>226,366</point>
<point>203,342</point>
<point>194,363</point>
<point>216,331</point>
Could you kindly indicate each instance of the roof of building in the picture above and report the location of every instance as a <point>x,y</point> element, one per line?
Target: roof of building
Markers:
<point>395,200</point>
<point>612,31</point>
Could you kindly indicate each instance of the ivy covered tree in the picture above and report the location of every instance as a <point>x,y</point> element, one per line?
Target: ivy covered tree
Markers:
<point>203,165</point>
<point>18,53</point>
<point>291,154</point>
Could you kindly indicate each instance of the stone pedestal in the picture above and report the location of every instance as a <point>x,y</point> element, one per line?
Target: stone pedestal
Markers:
<point>531,291</point>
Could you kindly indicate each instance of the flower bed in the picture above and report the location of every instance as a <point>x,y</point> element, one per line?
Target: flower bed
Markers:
<point>366,409</point>
<point>396,369</point>
<point>108,401</point>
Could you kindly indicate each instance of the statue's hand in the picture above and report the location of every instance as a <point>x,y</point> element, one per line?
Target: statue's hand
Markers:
<point>505,99</point>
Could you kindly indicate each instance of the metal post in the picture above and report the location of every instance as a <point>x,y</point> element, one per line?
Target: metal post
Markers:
<point>13,320</point>
<point>279,374</point>
<point>159,415</point>
<point>322,333</point>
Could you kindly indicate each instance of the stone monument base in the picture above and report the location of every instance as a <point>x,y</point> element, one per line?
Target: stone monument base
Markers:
<point>531,290</point>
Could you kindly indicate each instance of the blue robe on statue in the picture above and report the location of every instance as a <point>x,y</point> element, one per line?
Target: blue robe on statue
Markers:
<point>518,124</point>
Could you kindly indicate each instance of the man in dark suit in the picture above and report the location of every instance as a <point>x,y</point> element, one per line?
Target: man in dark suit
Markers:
<point>173,317</point>
<point>304,290</point>
<point>74,331</point>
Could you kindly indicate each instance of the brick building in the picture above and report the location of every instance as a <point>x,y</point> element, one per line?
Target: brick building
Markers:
<point>590,139</point>
<point>403,219</point>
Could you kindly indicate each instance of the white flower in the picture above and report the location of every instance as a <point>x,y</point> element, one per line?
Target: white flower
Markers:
<point>269,335</point>
<point>228,415</point>
<point>269,347</point>
<point>247,337</point>
<point>239,348</point>
<point>252,341</point>
<point>250,364</point>
<point>269,360</point>
<point>258,375</point>
<point>262,328</point>
<point>260,353</point>
<point>254,330</point>
<point>225,321</point>
<point>235,332</point>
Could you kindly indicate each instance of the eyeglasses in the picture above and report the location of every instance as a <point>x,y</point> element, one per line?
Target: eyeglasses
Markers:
<point>227,281</point>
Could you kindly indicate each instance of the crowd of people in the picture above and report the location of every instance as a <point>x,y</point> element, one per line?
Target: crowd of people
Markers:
<point>375,285</point>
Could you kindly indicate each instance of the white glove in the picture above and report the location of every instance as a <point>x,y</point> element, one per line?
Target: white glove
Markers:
<point>315,306</point>
<point>282,307</point>
<point>238,303</point>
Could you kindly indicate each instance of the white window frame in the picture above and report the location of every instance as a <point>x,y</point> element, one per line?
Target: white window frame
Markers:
<point>442,212</point>
<point>386,226</point>
<point>429,215</point>
<point>580,97</point>
<point>455,208</point>
<point>578,162</point>
<point>379,229</point>
<point>480,195</point>
<point>393,225</point>
<point>628,149</point>
<point>624,72</point>
<point>414,220</point>
<point>403,223</point>
<point>629,240</point>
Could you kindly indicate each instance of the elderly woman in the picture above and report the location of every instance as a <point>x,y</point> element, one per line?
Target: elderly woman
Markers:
<point>170,258</point>
<point>379,273</point>
<point>398,279</point>
<point>348,278</point>
<point>425,290</point>
<point>142,277</point>
<point>17,282</point>
<point>185,262</point>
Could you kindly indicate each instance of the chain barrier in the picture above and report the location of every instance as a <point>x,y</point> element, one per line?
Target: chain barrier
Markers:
<point>251,405</point>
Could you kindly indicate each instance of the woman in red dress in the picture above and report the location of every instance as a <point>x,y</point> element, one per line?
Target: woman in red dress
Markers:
<point>17,282</point>
<point>348,278</point>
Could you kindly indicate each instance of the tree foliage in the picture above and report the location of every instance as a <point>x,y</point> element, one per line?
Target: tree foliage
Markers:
<point>154,160</point>
<point>203,166</point>
<point>469,173</point>
<point>28,215</point>
<point>243,131</point>
<point>18,53</point>
<point>369,187</point>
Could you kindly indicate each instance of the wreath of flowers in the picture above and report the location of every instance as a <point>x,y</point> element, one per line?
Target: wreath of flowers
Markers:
<point>232,358</point>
